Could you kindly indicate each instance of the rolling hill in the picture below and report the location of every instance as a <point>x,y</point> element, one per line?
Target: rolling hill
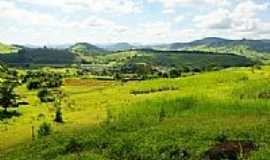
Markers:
<point>191,59</point>
<point>255,49</point>
<point>86,49</point>
<point>201,53</point>
<point>48,56</point>
<point>176,59</point>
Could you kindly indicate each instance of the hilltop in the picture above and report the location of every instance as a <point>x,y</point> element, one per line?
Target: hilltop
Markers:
<point>85,49</point>
<point>258,50</point>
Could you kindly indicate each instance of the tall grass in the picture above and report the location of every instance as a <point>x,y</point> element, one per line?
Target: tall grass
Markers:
<point>176,124</point>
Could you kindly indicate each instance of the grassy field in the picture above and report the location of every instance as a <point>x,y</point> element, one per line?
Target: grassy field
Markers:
<point>104,120</point>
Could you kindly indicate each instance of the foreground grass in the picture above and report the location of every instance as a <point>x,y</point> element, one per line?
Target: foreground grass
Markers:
<point>106,121</point>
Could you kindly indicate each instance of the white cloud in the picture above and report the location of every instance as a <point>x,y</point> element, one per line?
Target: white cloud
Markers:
<point>242,18</point>
<point>219,19</point>
<point>170,4</point>
<point>156,29</point>
<point>95,6</point>
<point>179,18</point>
<point>20,26</point>
<point>61,21</point>
<point>9,12</point>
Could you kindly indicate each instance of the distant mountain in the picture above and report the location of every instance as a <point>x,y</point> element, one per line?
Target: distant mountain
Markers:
<point>258,45</point>
<point>255,49</point>
<point>85,49</point>
<point>119,46</point>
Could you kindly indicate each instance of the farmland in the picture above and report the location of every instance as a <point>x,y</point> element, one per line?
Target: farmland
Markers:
<point>103,120</point>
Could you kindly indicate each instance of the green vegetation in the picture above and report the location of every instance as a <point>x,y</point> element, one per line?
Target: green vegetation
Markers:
<point>44,130</point>
<point>6,49</point>
<point>104,120</point>
<point>7,96</point>
<point>147,64</point>
<point>86,49</point>
<point>211,101</point>
<point>242,50</point>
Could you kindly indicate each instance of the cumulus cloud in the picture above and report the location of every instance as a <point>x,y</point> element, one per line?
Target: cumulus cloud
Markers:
<point>219,19</point>
<point>243,18</point>
<point>170,4</point>
<point>157,29</point>
<point>9,12</point>
<point>120,20</point>
<point>95,6</point>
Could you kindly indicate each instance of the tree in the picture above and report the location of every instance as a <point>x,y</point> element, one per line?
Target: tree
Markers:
<point>117,76</point>
<point>8,98</point>
<point>174,73</point>
<point>45,95</point>
<point>58,106</point>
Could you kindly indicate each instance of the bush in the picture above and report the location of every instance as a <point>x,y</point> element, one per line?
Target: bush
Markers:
<point>54,82</point>
<point>221,137</point>
<point>38,79</point>
<point>196,70</point>
<point>73,146</point>
<point>34,84</point>
<point>45,95</point>
<point>45,129</point>
<point>58,116</point>
<point>174,73</point>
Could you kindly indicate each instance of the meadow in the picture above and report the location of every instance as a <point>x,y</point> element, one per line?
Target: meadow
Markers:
<point>186,120</point>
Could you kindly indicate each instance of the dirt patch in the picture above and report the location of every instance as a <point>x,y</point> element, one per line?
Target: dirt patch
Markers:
<point>230,150</point>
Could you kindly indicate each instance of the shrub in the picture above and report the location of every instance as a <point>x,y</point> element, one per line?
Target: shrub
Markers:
<point>45,95</point>
<point>34,84</point>
<point>174,73</point>
<point>221,137</point>
<point>117,76</point>
<point>73,146</point>
<point>58,115</point>
<point>54,82</point>
<point>196,70</point>
<point>264,95</point>
<point>45,129</point>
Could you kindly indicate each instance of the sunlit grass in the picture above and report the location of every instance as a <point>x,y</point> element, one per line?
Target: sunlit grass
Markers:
<point>112,123</point>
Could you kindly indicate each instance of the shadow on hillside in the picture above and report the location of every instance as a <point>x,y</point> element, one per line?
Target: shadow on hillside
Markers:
<point>8,114</point>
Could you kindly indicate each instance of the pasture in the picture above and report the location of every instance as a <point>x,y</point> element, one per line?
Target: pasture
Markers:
<point>104,120</point>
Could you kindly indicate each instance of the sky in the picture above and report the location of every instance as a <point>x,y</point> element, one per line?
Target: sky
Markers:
<point>41,22</point>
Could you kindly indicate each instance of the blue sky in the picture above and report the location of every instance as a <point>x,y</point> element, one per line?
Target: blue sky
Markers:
<point>140,21</point>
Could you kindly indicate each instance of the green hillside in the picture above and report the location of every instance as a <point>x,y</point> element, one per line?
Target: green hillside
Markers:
<point>258,50</point>
<point>5,49</point>
<point>28,56</point>
<point>86,49</point>
<point>175,59</point>
<point>190,59</point>
<point>186,118</point>
<point>238,50</point>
